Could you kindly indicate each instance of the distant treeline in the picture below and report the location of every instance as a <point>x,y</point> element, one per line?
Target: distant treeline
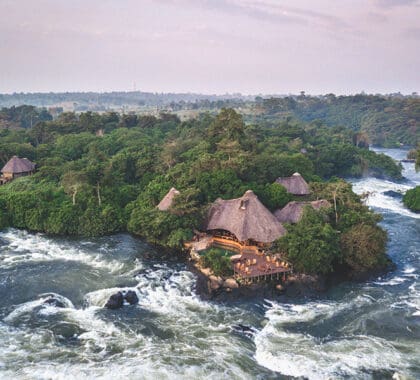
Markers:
<point>386,120</point>
<point>107,99</point>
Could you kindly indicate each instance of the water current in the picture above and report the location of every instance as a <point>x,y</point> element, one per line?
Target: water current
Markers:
<point>365,330</point>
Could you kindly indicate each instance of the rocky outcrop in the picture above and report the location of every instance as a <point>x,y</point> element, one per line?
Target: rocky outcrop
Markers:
<point>116,301</point>
<point>131,297</point>
<point>230,283</point>
<point>215,282</point>
<point>54,302</point>
<point>304,285</point>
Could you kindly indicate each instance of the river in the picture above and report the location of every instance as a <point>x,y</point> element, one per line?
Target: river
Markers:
<point>367,330</point>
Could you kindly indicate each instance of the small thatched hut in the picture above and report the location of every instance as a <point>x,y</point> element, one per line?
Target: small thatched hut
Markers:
<point>17,167</point>
<point>246,218</point>
<point>168,199</point>
<point>293,211</point>
<point>295,184</point>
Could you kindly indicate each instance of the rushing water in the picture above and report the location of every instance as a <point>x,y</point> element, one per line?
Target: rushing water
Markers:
<point>356,330</point>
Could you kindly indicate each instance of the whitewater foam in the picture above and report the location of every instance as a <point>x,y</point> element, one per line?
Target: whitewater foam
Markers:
<point>23,246</point>
<point>301,354</point>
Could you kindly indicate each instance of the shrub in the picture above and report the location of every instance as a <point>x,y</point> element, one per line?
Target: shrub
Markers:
<point>363,247</point>
<point>411,199</point>
<point>218,261</point>
<point>312,244</point>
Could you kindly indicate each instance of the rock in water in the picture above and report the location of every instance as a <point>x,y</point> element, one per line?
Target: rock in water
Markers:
<point>393,194</point>
<point>131,297</point>
<point>115,301</point>
<point>54,302</point>
<point>230,283</point>
<point>243,329</point>
<point>215,282</point>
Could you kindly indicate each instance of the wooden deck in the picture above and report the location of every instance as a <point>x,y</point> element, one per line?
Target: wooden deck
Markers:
<point>259,267</point>
<point>251,263</point>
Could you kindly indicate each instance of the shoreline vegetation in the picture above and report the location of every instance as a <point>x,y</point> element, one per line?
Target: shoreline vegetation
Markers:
<point>411,198</point>
<point>104,173</point>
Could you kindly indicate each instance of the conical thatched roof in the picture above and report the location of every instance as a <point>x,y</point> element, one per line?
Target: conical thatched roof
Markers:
<point>167,200</point>
<point>246,218</point>
<point>295,184</point>
<point>18,165</point>
<point>293,211</point>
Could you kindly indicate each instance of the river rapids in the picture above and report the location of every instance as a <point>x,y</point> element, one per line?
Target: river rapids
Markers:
<point>366,330</point>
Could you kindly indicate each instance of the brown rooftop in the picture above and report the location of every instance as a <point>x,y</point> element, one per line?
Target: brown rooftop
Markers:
<point>294,184</point>
<point>168,199</point>
<point>293,211</point>
<point>246,217</point>
<point>18,165</point>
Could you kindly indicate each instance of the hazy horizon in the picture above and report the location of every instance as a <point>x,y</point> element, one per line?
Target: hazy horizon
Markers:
<point>210,47</point>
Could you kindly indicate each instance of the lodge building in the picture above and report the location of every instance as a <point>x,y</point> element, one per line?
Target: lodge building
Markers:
<point>16,167</point>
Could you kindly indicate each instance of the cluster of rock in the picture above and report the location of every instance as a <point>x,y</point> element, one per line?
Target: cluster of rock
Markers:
<point>217,282</point>
<point>116,301</point>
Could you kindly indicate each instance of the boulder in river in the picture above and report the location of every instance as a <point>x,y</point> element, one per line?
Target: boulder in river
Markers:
<point>393,194</point>
<point>230,283</point>
<point>54,302</point>
<point>249,331</point>
<point>116,301</point>
<point>131,297</point>
<point>215,282</point>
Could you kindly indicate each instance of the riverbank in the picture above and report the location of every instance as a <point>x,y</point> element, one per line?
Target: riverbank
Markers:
<point>297,285</point>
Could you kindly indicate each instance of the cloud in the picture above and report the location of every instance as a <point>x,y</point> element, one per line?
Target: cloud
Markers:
<point>396,3</point>
<point>265,10</point>
<point>412,33</point>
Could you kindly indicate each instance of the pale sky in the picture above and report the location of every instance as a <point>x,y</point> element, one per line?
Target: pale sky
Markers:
<point>210,46</point>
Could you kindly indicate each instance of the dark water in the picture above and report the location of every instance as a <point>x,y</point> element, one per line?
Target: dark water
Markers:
<point>364,330</point>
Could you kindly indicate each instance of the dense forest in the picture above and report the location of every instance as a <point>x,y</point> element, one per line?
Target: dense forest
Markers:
<point>386,121</point>
<point>383,120</point>
<point>103,173</point>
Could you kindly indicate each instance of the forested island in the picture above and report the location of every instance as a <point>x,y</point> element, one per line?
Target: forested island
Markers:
<point>99,174</point>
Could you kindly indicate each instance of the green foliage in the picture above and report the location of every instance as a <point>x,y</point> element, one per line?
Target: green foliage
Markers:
<point>4,216</point>
<point>218,260</point>
<point>24,116</point>
<point>363,247</point>
<point>380,165</point>
<point>411,199</point>
<point>312,245</point>
<point>159,227</point>
<point>273,195</point>
<point>384,120</point>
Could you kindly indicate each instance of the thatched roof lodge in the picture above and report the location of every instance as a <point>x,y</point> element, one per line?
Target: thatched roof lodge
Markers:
<point>295,184</point>
<point>246,218</point>
<point>168,199</point>
<point>16,167</point>
<point>293,211</point>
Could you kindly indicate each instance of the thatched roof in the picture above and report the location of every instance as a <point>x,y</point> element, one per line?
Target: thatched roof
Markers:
<point>246,218</point>
<point>295,184</point>
<point>167,200</point>
<point>18,165</point>
<point>293,211</point>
